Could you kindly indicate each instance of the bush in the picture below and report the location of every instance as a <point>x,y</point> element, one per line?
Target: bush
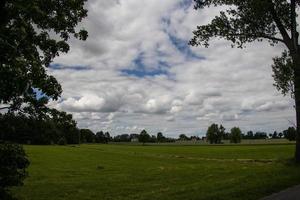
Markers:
<point>13,164</point>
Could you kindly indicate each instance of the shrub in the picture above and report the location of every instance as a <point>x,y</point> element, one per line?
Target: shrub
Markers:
<point>13,164</point>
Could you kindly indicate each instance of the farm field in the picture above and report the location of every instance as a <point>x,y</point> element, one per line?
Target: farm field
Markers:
<point>164,172</point>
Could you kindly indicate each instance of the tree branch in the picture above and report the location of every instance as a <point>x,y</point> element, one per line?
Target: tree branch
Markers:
<point>258,35</point>
<point>6,107</point>
<point>270,38</point>
<point>280,26</point>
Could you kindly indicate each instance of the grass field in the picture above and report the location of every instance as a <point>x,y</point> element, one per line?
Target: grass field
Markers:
<point>164,172</point>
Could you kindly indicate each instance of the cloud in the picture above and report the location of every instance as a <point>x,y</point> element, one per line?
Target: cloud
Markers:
<point>136,71</point>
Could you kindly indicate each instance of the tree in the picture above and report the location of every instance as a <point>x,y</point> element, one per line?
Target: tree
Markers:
<point>290,133</point>
<point>183,137</point>
<point>235,135</point>
<point>260,135</point>
<point>107,137</point>
<point>242,22</point>
<point>100,137</point>
<point>275,135</point>
<point>29,129</point>
<point>160,137</point>
<point>221,133</point>
<point>144,137</point>
<point>66,125</point>
<point>13,164</point>
<point>87,136</point>
<point>215,133</point>
<point>26,50</point>
<point>28,46</point>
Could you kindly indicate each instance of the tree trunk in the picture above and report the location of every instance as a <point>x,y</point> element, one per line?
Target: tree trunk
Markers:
<point>297,103</point>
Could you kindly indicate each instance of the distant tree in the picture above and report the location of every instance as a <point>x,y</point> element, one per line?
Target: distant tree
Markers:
<point>183,137</point>
<point>270,135</point>
<point>100,137</point>
<point>280,135</point>
<point>144,137</point>
<point>160,137</point>
<point>221,133</point>
<point>226,136</point>
<point>260,135</point>
<point>125,138</point>
<point>169,140</point>
<point>194,138</point>
<point>13,164</point>
<point>235,135</point>
<point>152,139</point>
<point>212,133</point>
<point>215,133</point>
<point>275,135</point>
<point>290,133</point>
<point>87,136</point>
<point>107,137</point>
<point>248,135</point>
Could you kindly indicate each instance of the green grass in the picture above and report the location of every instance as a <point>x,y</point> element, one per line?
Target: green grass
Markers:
<point>160,172</point>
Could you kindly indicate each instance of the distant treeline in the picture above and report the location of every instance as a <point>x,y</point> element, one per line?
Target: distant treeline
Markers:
<point>216,133</point>
<point>60,128</point>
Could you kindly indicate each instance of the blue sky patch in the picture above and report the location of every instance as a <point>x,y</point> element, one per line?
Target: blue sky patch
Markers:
<point>57,66</point>
<point>140,69</point>
<point>182,46</point>
<point>143,73</point>
<point>185,4</point>
<point>39,93</point>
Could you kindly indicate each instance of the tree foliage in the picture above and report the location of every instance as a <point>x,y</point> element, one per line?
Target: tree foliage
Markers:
<point>235,135</point>
<point>27,129</point>
<point>13,164</point>
<point>244,21</point>
<point>160,137</point>
<point>87,136</point>
<point>290,133</point>
<point>102,137</point>
<point>215,133</point>
<point>283,74</point>
<point>183,137</point>
<point>32,33</point>
<point>144,137</point>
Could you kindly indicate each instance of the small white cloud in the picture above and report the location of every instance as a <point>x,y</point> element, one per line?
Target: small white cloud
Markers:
<point>170,118</point>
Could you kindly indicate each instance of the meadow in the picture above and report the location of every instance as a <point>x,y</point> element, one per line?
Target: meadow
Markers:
<point>160,172</point>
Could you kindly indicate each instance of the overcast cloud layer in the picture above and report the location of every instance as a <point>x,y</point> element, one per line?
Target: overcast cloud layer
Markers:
<point>136,71</point>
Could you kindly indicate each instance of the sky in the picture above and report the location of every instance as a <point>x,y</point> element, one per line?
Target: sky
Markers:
<point>136,71</point>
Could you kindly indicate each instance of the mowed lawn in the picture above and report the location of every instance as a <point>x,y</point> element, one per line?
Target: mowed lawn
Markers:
<point>159,172</point>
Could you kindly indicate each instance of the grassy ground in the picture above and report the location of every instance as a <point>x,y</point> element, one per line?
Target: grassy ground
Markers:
<point>161,172</point>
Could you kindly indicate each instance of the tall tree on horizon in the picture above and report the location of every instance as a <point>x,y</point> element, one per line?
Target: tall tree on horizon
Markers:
<point>245,21</point>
